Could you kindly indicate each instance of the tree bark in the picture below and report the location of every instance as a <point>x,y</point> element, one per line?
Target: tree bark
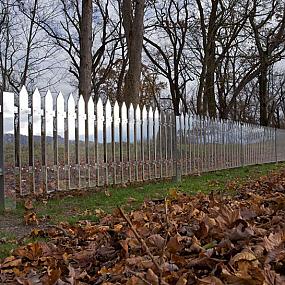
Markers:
<point>85,69</point>
<point>263,94</point>
<point>210,59</point>
<point>133,23</point>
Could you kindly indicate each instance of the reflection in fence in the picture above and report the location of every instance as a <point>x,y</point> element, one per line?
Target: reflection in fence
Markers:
<point>55,145</point>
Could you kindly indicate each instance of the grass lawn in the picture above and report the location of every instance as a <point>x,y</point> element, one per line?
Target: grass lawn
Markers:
<point>89,205</point>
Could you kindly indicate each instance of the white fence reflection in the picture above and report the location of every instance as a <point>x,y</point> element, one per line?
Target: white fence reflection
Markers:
<point>54,144</point>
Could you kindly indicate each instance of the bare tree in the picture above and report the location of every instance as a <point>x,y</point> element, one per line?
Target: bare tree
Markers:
<point>25,53</point>
<point>267,19</point>
<point>170,57</point>
<point>87,45</point>
<point>220,23</point>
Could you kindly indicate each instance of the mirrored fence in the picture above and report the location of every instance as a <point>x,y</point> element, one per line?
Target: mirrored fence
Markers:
<point>53,143</point>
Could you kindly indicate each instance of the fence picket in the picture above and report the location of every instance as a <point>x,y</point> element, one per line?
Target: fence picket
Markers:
<point>91,143</point>
<point>36,124</point>
<point>137,136</point>
<point>156,145</point>
<point>117,139</point>
<point>143,141</point>
<point>149,139</point>
<point>131,143</point>
<point>124,148</point>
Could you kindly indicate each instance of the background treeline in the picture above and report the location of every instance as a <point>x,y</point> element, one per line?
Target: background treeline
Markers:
<point>222,58</point>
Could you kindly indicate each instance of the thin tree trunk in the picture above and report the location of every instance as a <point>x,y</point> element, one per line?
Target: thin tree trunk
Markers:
<point>263,94</point>
<point>200,90</point>
<point>29,44</point>
<point>209,91</point>
<point>85,69</point>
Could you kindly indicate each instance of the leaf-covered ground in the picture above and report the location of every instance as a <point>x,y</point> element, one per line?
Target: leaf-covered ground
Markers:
<point>201,239</point>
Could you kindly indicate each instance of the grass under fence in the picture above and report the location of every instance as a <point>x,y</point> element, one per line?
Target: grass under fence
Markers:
<point>88,205</point>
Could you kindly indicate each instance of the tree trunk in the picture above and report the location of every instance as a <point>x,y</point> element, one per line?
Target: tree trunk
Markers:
<point>201,90</point>
<point>263,94</point>
<point>133,22</point>
<point>85,69</point>
<point>29,45</point>
<point>209,91</point>
<point>209,94</point>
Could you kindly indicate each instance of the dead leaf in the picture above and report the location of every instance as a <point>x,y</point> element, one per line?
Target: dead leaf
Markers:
<point>28,205</point>
<point>152,277</point>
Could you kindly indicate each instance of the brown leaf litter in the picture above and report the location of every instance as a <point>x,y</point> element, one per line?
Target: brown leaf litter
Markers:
<point>184,240</point>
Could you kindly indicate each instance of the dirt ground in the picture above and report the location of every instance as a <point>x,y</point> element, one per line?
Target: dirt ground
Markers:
<point>12,224</point>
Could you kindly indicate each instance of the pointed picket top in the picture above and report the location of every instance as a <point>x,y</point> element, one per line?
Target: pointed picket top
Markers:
<point>116,105</point>
<point>187,121</point>
<point>71,105</point>
<point>108,107</point>
<point>116,113</point>
<point>138,113</point>
<point>182,120</point>
<point>131,110</point>
<point>150,113</point>
<point>48,102</point>
<point>91,118</point>
<point>23,99</point>
<point>108,114</point>
<point>81,108</point>
<point>181,107</point>
<point>60,103</point>
<point>156,113</point>
<point>37,112</point>
<point>36,101</point>
<point>124,113</point>
<point>144,112</point>
<point>100,110</point>
<point>91,109</point>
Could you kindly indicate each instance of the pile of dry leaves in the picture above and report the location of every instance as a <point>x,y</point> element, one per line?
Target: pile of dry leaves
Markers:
<point>201,239</point>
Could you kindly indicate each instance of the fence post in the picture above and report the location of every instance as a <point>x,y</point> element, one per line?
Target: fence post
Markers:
<point>2,193</point>
<point>176,151</point>
<point>275,140</point>
<point>241,146</point>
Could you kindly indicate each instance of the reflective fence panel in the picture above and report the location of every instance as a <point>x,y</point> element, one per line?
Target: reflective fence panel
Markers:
<point>117,144</point>
<point>50,177</point>
<point>72,169</point>
<point>100,118</point>
<point>124,144</point>
<point>280,145</point>
<point>131,143</point>
<point>22,148</point>
<point>36,148</point>
<point>60,143</point>
<point>108,158</point>
<point>11,189</point>
<point>54,142</point>
<point>91,144</point>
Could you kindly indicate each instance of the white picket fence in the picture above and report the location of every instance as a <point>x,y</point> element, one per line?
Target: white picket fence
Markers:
<point>54,144</point>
